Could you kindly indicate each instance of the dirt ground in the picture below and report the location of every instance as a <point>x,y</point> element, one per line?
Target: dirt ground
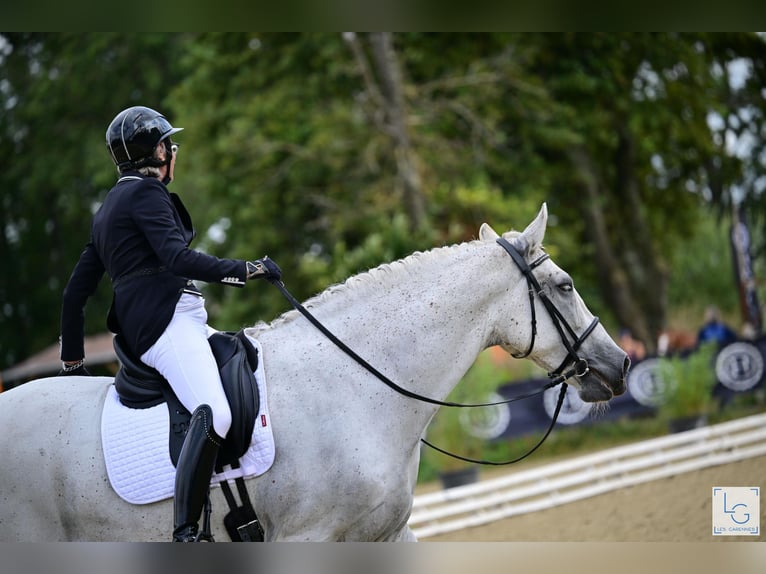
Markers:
<point>677,509</point>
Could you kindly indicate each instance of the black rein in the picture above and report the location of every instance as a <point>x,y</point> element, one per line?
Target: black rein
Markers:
<point>579,368</point>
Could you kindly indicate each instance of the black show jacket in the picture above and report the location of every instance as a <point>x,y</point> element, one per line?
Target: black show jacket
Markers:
<point>140,236</point>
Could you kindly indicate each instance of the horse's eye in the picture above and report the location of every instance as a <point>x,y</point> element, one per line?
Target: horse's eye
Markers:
<point>566,287</point>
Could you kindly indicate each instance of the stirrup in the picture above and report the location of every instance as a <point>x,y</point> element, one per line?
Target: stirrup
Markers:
<point>186,533</point>
<point>190,534</point>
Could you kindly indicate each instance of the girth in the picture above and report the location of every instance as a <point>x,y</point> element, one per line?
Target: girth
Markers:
<point>140,386</point>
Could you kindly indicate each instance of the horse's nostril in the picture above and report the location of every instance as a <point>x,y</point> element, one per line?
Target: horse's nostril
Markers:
<point>625,366</point>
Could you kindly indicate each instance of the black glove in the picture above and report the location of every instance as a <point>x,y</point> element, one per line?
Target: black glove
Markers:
<point>264,269</point>
<point>79,370</point>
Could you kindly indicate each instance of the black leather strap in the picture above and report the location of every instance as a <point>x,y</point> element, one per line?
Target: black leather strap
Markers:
<point>388,382</point>
<point>580,366</point>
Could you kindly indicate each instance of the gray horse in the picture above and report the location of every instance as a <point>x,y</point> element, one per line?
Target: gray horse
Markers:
<point>347,446</point>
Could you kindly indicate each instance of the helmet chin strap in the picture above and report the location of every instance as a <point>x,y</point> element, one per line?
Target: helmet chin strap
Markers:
<point>152,162</point>
<point>168,159</point>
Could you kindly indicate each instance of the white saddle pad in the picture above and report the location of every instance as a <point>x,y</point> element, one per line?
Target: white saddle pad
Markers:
<point>135,443</point>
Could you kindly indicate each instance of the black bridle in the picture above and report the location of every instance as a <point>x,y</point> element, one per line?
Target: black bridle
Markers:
<point>561,324</point>
<point>558,376</point>
<point>579,365</point>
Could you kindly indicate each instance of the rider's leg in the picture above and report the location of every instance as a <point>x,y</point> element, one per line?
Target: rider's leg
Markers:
<point>195,466</point>
<point>182,354</point>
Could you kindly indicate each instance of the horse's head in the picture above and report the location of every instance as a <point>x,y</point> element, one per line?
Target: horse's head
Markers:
<point>565,329</point>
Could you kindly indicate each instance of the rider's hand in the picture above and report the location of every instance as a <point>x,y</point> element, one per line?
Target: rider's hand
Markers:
<point>264,269</point>
<point>72,370</point>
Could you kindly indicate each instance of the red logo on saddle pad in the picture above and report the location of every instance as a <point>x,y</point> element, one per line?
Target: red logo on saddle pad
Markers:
<point>263,420</point>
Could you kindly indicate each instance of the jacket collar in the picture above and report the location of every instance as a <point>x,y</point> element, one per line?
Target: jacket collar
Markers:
<point>132,176</point>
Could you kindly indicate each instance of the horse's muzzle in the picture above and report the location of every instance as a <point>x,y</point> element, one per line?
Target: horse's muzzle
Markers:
<point>599,384</point>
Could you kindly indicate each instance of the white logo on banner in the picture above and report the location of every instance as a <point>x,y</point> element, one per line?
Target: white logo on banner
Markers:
<point>486,422</point>
<point>739,366</point>
<point>645,384</point>
<point>573,409</point>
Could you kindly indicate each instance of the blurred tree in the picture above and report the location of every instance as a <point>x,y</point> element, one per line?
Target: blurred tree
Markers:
<point>384,84</point>
<point>333,153</point>
<point>646,157</point>
<point>58,93</point>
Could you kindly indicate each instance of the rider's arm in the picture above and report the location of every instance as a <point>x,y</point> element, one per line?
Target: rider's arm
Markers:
<point>154,213</point>
<point>81,285</point>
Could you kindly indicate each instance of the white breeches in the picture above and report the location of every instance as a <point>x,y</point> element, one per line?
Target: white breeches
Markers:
<point>182,354</point>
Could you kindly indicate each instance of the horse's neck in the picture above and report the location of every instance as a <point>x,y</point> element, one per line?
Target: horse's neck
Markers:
<point>422,321</point>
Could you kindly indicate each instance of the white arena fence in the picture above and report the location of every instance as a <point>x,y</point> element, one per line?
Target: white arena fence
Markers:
<point>558,483</point>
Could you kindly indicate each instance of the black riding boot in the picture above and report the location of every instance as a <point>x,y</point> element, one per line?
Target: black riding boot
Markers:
<point>193,471</point>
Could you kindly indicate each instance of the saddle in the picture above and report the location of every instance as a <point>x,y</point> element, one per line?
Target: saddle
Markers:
<point>140,386</point>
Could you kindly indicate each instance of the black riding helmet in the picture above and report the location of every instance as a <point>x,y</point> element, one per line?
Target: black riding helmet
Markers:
<point>133,135</point>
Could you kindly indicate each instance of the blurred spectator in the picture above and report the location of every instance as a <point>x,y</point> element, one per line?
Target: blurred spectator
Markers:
<point>715,330</point>
<point>633,347</point>
<point>747,332</point>
<point>676,342</point>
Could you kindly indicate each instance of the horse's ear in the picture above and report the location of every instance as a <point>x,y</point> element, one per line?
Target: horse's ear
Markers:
<point>486,233</point>
<point>535,231</point>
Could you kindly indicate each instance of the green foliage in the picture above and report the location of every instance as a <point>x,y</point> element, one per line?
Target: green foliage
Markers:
<point>687,383</point>
<point>653,99</point>
<point>704,274</point>
<point>58,92</point>
<point>284,153</point>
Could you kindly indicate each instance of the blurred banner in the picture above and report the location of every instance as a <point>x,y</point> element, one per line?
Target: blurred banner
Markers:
<point>739,368</point>
<point>743,270</point>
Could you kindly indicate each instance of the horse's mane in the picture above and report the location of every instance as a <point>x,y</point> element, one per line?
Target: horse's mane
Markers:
<point>378,278</point>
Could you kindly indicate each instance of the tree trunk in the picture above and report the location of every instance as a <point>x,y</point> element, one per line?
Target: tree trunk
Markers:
<point>388,93</point>
<point>646,268</point>
<point>614,282</point>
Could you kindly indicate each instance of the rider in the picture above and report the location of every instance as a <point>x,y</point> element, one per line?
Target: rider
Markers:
<point>140,236</point>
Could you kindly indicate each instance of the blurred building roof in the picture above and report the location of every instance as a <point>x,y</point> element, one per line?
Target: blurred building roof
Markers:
<point>98,351</point>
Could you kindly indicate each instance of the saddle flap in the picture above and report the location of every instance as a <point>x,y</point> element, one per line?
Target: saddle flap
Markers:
<point>237,362</point>
<point>137,454</point>
<point>140,386</point>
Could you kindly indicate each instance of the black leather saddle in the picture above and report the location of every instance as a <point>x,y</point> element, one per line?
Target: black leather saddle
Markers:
<point>140,386</point>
